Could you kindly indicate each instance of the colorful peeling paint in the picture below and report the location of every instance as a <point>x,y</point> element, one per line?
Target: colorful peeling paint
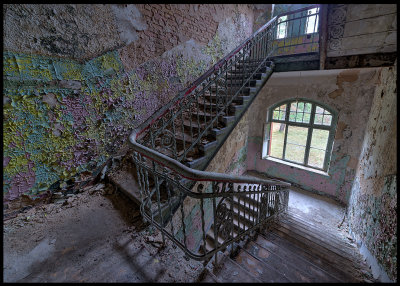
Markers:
<point>372,209</point>
<point>62,117</point>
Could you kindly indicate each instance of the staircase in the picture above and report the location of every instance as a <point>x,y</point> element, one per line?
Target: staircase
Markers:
<point>239,226</point>
<point>209,215</point>
<point>292,250</point>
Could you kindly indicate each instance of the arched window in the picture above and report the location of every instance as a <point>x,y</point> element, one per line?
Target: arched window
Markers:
<point>300,131</point>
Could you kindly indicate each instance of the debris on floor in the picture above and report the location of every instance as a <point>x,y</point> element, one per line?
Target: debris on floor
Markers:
<point>96,235</point>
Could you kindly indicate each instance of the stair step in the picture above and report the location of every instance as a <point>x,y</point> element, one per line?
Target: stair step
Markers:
<point>232,272</point>
<point>208,146</point>
<point>316,251</point>
<point>193,124</point>
<point>127,183</point>
<point>316,242</point>
<point>295,261</point>
<point>259,269</point>
<point>322,263</point>
<point>327,237</point>
<point>195,162</point>
<point>210,277</point>
<point>218,132</point>
<point>228,119</point>
<point>179,136</point>
<point>318,227</point>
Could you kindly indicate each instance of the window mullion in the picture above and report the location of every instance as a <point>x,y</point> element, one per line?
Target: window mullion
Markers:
<point>286,129</point>
<point>309,135</point>
<point>328,151</point>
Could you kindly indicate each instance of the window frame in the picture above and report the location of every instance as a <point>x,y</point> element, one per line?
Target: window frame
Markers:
<point>311,126</point>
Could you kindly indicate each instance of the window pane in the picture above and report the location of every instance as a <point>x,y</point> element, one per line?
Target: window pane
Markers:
<point>295,153</point>
<point>277,138</point>
<point>276,115</point>
<point>327,120</point>
<point>319,138</point>
<point>319,110</point>
<point>282,107</point>
<point>295,144</point>
<point>312,21</point>
<point>297,112</point>
<point>300,106</point>
<point>306,118</point>
<point>281,30</point>
<point>282,115</point>
<point>308,107</point>
<point>316,158</point>
<point>318,119</point>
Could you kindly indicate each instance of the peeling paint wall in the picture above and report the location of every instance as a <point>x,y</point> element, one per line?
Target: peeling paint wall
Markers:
<point>349,92</point>
<point>372,209</point>
<point>78,78</point>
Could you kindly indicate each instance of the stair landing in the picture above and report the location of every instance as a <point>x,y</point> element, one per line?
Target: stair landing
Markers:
<point>308,244</point>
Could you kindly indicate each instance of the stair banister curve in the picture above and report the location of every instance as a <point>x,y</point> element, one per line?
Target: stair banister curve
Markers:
<point>206,212</point>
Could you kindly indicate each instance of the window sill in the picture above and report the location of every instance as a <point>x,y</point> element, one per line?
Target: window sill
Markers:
<point>320,172</point>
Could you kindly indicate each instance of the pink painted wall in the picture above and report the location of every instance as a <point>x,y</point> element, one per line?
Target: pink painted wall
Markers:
<point>349,92</point>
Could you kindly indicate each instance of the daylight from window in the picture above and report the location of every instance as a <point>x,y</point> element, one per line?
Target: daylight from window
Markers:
<point>299,132</point>
<point>282,27</point>
<point>312,21</point>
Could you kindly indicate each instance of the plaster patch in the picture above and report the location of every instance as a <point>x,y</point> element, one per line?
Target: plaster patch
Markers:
<point>129,21</point>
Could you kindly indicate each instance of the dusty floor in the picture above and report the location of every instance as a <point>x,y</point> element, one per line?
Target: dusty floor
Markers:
<point>98,236</point>
<point>94,237</point>
<point>319,210</point>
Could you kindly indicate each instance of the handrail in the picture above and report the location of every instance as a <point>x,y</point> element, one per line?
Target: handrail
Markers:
<point>176,198</point>
<point>194,84</point>
<point>193,174</point>
<point>298,10</point>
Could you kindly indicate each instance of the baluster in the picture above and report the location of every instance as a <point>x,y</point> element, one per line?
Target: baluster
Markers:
<point>183,132</point>
<point>231,206</point>
<point>135,160</point>
<point>170,208</point>
<point>204,106</point>
<point>148,191</point>
<point>216,95</point>
<point>258,203</point>
<point>244,203</point>
<point>190,118</point>
<point>158,201</point>
<point>198,109</point>
<point>200,190</point>
<point>215,225</point>
<point>175,151</point>
<point>183,224</point>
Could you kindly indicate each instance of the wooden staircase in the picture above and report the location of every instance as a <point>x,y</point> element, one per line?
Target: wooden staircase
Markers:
<point>292,250</point>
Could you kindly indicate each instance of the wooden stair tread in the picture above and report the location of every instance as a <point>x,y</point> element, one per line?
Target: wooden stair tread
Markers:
<point>259,269</point>
<point>232,272</point>
<point>298,261</point>
<point>324,264</point>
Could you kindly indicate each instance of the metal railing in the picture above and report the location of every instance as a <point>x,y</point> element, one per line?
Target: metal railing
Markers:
<point>164,185</point>
<point>177,128</point>
<point>298,31</point>
<point>184,203</point>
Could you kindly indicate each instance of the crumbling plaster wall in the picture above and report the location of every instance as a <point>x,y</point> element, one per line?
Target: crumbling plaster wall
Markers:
<point>78,78</point>
<point>349,92</point>
<point>372,209</point>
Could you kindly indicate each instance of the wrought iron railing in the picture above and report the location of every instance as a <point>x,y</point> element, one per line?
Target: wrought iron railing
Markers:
<point>186,204</point>
<point>297,32</point>
<point>170,205</point>
<point>177,128</point>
